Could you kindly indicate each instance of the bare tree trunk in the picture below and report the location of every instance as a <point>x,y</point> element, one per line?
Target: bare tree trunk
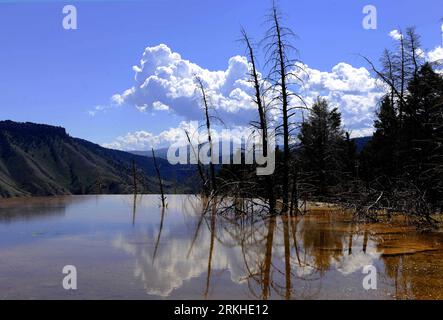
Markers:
<point>285,221</point>
<point>294,238</point>
<point>365,241</point>
<point>211,249</point>
<point>263,122</point>
<point>208,127</point>
<point>199,165</point>
<point>268,258</point>
<point>413,46</point>
<point>350,244</point>
<point>391,75</point>
<point>160,182</point>
<point>281,60</point>
<point>293,208</point>
<point>159,234</point>
<point>134,208</point>
<point>285,120</point>
<point>402,77</point>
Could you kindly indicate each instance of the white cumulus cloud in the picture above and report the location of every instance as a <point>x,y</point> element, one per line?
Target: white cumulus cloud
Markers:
<point>435,55</point>
<point>396,35</point>
<point>352,90</point>
<point>144,140</point>
<point>165,81</point>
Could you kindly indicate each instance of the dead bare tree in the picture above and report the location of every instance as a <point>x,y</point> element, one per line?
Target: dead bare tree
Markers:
<point>262,125</point>
<point>412,45</point>
<point>160,182</point>
<point>402,75</point>
<point>202,89</point>
<point>400,67</point>
<point>162,218</point>
<point>199,164</point>
<point>282,74</point>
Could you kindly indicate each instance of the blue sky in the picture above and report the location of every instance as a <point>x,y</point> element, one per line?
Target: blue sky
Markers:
<point>56,76</point>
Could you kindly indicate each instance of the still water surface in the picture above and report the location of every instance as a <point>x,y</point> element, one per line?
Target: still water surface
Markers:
<point>135,250</point>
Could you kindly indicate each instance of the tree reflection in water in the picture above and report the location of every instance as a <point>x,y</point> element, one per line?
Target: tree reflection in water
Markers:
<point>320,254</point>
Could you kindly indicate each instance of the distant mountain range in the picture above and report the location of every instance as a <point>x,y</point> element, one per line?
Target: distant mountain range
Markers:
<point>37,159</point>
<point>41,160</point>
<point>162,152</point>
<point>159,153</point>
